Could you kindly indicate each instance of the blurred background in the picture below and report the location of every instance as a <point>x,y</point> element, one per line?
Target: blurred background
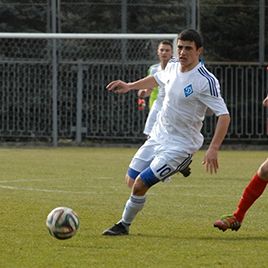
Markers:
<point>53,88</point>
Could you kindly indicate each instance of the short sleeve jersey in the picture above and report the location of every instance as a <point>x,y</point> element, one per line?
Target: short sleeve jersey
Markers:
<point>187,97</point>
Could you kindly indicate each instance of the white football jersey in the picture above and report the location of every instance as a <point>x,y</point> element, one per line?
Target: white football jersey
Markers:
<point>187,97</point>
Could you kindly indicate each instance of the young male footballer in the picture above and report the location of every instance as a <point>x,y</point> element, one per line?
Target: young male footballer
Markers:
<point>251,193</point>
<point>190,90</point>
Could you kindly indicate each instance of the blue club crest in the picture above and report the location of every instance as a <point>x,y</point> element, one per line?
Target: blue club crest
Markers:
<point>188,90</point>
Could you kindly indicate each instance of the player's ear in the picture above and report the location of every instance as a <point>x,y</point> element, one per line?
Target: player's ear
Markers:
<point>201,50</point>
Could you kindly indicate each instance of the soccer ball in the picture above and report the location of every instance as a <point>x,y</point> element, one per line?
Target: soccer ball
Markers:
<point>62,223</point>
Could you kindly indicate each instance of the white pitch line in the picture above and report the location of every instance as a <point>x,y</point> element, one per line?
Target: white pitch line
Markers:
<point>93,192</point>
<point>19,180</point>
<point>52,179</point>
<point>43,190</point>
<point>47,190</point>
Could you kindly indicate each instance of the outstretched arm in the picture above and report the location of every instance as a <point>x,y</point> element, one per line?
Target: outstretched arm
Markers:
<point>211,157</point>
<point>121,87</point>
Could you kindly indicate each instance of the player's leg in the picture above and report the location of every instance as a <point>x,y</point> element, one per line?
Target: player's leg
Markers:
<point>135,203</point>
<point>252,191</point>
<point>162,166</point>
<point>143,182</point>
<point>263,170</point>
<point>140,161</point>
<point>250,194</point>
<point>129,181</point>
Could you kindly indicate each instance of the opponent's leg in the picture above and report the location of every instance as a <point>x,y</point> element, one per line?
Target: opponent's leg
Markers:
<point>250,194</point>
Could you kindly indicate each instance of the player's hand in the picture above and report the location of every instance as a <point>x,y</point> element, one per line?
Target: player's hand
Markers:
<point>118,86</point>
<point>142,93</point>
<point>210,161</point>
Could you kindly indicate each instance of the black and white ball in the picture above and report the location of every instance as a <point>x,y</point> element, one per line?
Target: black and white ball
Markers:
<point>62,223</point>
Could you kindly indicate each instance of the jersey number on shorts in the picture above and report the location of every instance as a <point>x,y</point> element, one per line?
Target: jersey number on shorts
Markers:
<point>164,170</point>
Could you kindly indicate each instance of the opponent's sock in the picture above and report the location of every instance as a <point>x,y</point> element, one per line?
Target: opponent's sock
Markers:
<point>252,192</point>
<point>133,206</point>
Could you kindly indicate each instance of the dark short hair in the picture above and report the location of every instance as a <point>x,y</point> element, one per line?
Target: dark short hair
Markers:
<point>191,35</point>
<point>166,42</point>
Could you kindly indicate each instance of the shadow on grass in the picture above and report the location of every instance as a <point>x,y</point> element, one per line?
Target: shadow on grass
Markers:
<point>233,238</point>
<point>203,238</point>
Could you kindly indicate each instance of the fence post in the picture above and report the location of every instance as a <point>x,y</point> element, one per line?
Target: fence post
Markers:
<point>79,104</point>
<point>78,136</point>
<point>54,77</point>
<point>261,31</point>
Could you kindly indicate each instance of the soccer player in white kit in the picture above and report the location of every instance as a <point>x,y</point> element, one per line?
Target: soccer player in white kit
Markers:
<point>164,52</point>
<point>190,90</point>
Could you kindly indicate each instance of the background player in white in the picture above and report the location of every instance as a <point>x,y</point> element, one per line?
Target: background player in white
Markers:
<point>176,135</point>
<point>157,94</point>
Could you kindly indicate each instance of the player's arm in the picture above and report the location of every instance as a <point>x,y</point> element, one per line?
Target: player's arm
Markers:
<point>211,157</point>
<point>121,87</point>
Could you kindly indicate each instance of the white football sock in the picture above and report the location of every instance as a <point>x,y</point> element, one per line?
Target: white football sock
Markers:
<point>133,206</point>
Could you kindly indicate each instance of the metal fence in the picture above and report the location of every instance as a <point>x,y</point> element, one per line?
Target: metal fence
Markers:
<point>53,89</point>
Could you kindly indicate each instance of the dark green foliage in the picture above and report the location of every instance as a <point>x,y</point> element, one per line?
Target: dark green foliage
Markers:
<point>230,28</point>
<point>23,16</point>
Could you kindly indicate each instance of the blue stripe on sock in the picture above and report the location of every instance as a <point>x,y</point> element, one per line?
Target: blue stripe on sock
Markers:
<point>137,199</point>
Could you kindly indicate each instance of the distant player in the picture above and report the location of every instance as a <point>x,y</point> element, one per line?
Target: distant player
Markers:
<point>250,194</point>
<point>157,94</point>
<point>190,89</point>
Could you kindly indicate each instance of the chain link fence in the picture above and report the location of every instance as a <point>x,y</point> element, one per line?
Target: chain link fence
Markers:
<point>84,111</point>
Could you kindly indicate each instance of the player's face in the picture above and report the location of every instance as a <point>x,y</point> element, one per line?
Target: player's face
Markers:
<point>164,53</point>
<point>188,54</point>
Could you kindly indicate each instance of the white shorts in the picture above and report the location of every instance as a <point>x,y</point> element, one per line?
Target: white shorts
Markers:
<point>162,160</point>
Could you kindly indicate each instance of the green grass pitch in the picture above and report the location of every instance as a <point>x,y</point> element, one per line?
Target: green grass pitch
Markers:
<point>175,228</point>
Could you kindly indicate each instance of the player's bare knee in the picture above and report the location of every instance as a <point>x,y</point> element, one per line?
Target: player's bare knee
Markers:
<point>129,181</point>
<point>139,188</point>
<point>263,170</point>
